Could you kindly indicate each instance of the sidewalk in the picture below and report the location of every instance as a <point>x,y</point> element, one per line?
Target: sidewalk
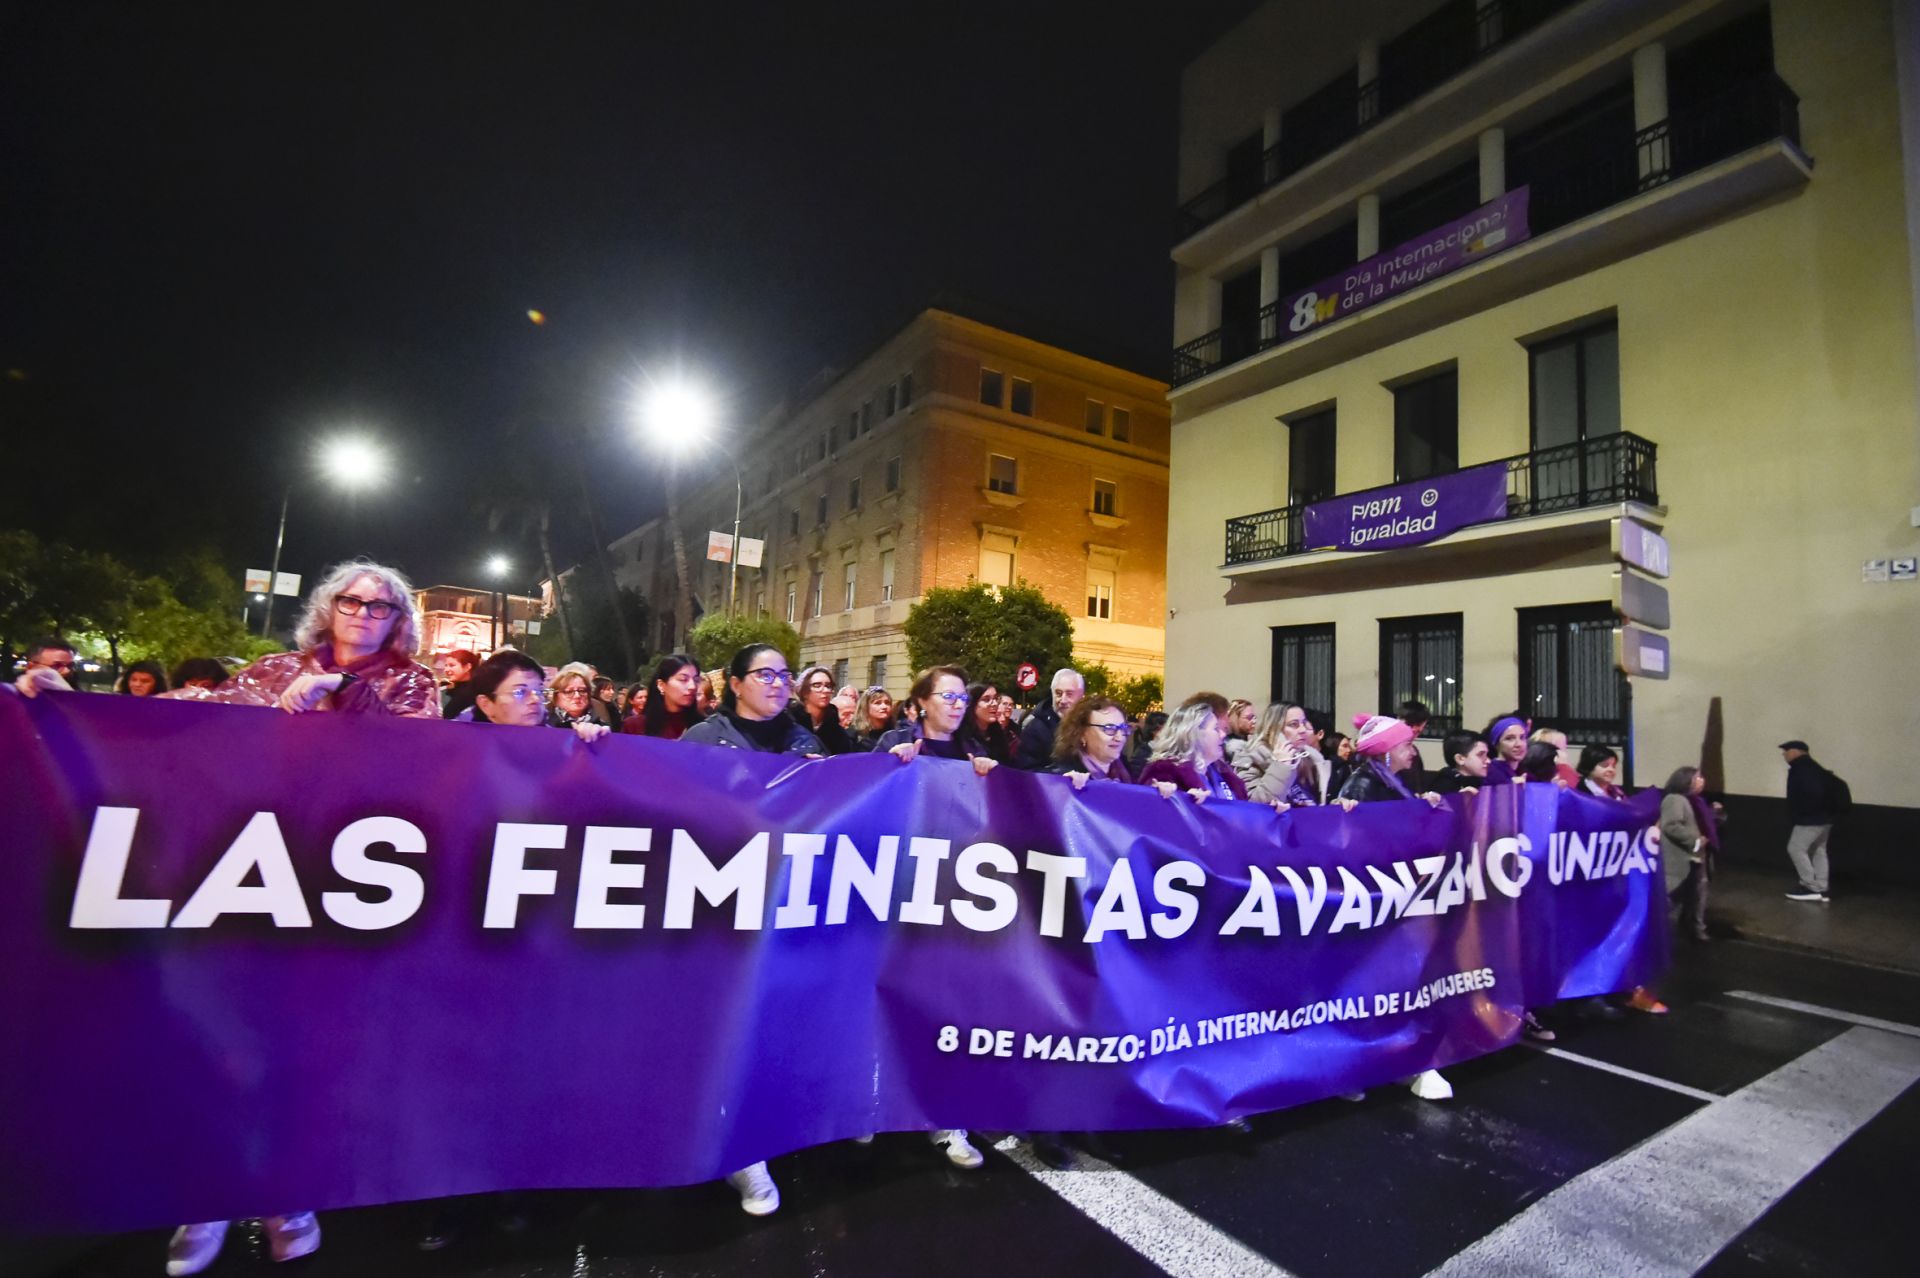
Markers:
<point>1864,923</point>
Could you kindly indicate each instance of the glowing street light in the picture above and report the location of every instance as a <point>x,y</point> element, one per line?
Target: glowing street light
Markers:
<point>350,462</point>
<point>499,566</point>
<point>677,413</point>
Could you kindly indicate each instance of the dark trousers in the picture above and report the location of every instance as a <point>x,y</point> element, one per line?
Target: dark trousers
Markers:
<point>1691,897</point>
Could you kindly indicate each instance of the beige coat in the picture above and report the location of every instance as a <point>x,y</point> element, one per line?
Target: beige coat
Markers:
<point>1679,839</point>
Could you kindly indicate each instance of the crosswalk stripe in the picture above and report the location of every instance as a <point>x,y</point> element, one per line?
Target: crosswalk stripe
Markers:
<point>1671,1203</point>
<point>1163,1231</point>
<point>1831,1013</point>
<point>1595,1063</point>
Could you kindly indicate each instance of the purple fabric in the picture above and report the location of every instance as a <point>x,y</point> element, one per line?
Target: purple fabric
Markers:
<point>1388,777</point>
<point>1409,514</point>
<point>335,1055</point>
<point>1499,224</point>
<point>1703,816</point>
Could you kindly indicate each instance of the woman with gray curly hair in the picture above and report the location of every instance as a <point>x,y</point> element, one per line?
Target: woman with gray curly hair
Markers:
<point>355,644</point>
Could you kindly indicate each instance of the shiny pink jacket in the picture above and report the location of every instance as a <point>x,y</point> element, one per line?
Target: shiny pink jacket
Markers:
<point>385,683</point>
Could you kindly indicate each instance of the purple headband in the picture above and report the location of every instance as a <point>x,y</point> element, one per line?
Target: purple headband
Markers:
<point>1500,727</point>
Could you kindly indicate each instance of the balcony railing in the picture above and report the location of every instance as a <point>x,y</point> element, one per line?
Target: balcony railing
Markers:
<point>1426,55</point>
<point>1740,116</point>
<point>1601,471</point>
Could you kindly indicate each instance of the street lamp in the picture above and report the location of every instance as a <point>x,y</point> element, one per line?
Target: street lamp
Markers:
<point>499,567</point>
<point>348,461</point>
<point>680,413</point>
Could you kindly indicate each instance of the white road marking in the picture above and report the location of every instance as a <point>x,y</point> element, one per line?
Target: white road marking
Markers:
<point>1163,1231</point>
<point>1671,1203</point>
<point>1832,1014</point>
<point>1638,1077</point>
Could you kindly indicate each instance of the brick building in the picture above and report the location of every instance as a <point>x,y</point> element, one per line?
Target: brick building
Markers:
<point>954,451</point>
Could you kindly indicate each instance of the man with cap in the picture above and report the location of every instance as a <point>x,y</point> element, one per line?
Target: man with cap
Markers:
<point>1810,808</point>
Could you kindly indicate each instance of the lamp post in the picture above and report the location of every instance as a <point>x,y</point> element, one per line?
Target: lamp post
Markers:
<point>350,462</point>
<point>498,568</point>
<point>674,413</point>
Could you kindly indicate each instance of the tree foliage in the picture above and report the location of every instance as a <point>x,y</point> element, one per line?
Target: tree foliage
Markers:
<point>989,632</point>
<point>1136,696</point>
<point>716,637</point>
<point>596,637</point>
<point>96,601</point>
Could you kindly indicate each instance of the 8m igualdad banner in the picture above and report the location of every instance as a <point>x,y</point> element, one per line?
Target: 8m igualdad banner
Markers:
<point>257,962</point>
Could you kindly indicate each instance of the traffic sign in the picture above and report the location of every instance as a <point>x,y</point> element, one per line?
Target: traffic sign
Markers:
<point>1641,653</point>
<point>1027,677</point>
<point>1636,598</point>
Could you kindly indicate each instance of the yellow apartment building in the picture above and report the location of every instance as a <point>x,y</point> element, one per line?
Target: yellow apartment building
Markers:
<point>1648,261</point>
<point>955,451</point>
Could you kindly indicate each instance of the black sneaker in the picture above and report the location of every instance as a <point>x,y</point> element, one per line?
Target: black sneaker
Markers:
<point>1530,1026</point>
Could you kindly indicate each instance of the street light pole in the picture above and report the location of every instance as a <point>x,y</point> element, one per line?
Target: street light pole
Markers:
<point>273,574</point>
<point>733,556</point>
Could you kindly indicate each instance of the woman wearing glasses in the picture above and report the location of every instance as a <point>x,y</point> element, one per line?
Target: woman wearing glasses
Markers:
<point>940,697</point>
<point>1188,752</point>
<point>1089,744</point>
<point>813,709</point>
<point>355,656</point>
<point>570,700</point>
<point>355,646</point>
<point>981,729</point>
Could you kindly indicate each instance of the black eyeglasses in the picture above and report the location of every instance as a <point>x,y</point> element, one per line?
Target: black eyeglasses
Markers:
<point>378,609</point>
<point>1113,729</point>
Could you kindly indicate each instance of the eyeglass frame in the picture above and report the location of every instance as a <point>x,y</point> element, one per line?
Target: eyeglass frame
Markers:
<point>353,605</point>
<point>767,676</point>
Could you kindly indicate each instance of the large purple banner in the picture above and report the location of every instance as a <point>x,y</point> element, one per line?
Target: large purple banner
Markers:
<point>1409,514</point>
<point>1496,225</point>
<point>258,962</point>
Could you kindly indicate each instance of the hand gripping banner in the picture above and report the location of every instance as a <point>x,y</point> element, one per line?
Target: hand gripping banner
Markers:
<point>257,963</point>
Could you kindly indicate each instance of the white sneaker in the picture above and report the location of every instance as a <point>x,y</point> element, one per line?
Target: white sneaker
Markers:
<point>960,1151</point>
<point>194,1247</point>
<point>864,1140</point>
<point>1428,1085</point>
<point>758,1194</point>
<point>292,1236</point>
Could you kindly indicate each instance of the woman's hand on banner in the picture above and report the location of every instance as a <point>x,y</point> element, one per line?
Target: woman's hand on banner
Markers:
<point>591,732</point>
<point>983,765</point>
<point>906,751</point>
<point>1167,789</point>
<point>307,692</point>
<point>1079,779</point>
<point>1199,795</point>
<point>1434,800</point>
<point>1347,805</point>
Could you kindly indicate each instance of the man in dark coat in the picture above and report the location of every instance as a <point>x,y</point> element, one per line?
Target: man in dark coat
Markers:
<point>1810,808</point>
<point>1036,734</point>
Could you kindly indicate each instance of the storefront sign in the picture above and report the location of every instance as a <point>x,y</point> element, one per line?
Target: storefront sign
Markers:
<point>1488,229</point>
<point>1409,514</point>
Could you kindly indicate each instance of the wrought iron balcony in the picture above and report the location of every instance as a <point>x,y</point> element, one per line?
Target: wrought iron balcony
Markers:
<point>1578,184</point>
<point>1426,55</point>
<point>1602,471</point>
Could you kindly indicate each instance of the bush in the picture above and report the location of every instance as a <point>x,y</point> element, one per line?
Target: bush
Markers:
<point>716,637</point>
<point>989,633</point>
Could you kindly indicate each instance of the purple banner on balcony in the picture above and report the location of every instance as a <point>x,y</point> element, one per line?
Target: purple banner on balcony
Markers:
<point>1481,233</point>
<point>1409,514</point>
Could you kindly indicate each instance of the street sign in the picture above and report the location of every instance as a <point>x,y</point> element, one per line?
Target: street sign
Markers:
<point>1027,677</point>
<point>751,550</point>
<point>720,546</point>
<point>1641,653</point>
<point>1641,547</point>
<point>1637,599</point>
<point>287,583</point>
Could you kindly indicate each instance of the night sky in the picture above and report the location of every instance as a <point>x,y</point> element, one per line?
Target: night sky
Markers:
<point>228,231</point>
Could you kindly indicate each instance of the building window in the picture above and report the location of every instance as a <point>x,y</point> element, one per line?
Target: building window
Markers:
<point>877,672</point>
<point>759,603</point>
<point>1567,676</point>
<point>1122,422</point>
<point>833,438</point>
<point>793,601</point>
<point>853,423</point>
<point>1575,398</point>
<point>1096,417</point>
<point>1426,427</point>
<point>846,598</point>
<point>816,592</point>
<point>1003,475</point>
<point>793,523</point>
<point>886,576</point>
<point>893,399</point>
<point>820,510</point>
<point>1303,668</point>
<point>1310,453</point>
<point>893,474</point>
<point>1420,661</point>
<point>853,494</point>
<point>866,418</point>
<point>992,386</point>
<point>823,448</point>
<point>1104,496</point>
<point>840,674</point>
<point>1022,401</point>
<point>996,559</point>
<point>906,397</point>
<point>1100,593</point>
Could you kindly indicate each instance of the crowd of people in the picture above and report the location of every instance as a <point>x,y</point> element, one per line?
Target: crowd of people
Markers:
<point>354,652</point>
